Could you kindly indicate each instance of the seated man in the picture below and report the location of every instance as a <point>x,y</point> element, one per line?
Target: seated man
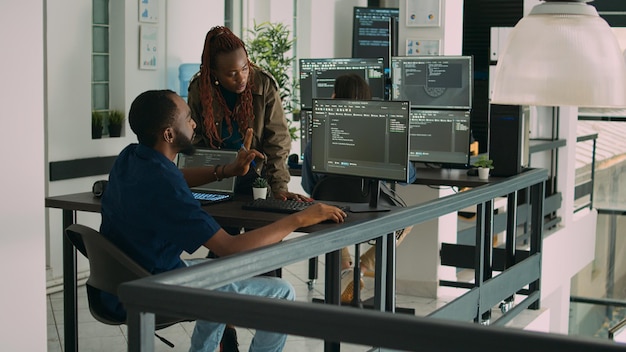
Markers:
<point>148,210</point>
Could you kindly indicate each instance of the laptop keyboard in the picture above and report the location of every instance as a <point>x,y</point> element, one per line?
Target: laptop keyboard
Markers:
<point>206,198</point>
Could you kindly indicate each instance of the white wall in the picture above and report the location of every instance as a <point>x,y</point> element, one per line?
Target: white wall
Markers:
<point>22,263</point>
<point>68,96</point>
<point>449,32</point>
<point>326,28</point>
<point>188,22</point>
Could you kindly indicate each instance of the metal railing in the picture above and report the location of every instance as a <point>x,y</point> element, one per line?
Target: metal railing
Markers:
<point>191,289</point>
<point>585,189</point>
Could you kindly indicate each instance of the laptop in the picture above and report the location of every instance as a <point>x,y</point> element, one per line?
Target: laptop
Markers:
<point>213,192</point>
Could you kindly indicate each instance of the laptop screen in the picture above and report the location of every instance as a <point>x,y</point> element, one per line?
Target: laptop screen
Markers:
<point>210,157</point>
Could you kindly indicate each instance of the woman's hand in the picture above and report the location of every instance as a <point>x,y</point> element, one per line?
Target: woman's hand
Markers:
<point>284,195</point>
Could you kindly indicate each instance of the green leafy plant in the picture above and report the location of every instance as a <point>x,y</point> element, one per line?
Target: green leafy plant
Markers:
<point>116,120</point>
<point>97,119</point>
<point>116,117</point>
<point>259,182</point>
<point>483,161</point>
<point>97,122</point>
<point>269,46</point>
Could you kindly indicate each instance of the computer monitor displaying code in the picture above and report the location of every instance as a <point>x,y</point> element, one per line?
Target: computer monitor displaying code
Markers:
<point>367,139</point>
<point>440,137</point>
<point>373,32</point>
<point>432,81</point>
<point>317,76</point>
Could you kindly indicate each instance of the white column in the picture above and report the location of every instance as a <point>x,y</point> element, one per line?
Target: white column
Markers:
<point>418,271</point>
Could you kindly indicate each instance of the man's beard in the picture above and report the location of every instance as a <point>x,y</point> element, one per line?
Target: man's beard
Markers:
<point>184,144</point>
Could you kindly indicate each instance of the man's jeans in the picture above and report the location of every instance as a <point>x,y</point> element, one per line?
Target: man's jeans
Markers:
<point>207,335</point>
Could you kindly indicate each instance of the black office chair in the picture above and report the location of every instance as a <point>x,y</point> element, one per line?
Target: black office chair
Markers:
<point>109,267</point>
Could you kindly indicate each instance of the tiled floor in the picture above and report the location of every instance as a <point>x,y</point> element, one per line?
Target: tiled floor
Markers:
<point>95,336</point>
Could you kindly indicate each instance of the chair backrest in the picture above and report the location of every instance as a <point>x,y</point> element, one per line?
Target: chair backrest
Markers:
<point>109,267</point>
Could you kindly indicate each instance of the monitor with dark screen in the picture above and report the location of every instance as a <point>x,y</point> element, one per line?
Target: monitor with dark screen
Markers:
<point>440,137</point>
<point>438,82</point>
<point>317,76</point>
<point>373,32</point>
<point>368,139</point>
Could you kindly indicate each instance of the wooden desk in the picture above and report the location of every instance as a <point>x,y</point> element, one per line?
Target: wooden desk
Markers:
<point>227,213</point>
<point>450,177</point>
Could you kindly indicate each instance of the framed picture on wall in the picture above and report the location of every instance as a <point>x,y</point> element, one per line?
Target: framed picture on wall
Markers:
<point>148,11</point>
<point>423,47</point>
<point>423,13</point>
<point>148,47</point>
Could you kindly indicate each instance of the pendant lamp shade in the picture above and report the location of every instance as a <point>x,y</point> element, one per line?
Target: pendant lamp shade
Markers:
<point>562,53</point>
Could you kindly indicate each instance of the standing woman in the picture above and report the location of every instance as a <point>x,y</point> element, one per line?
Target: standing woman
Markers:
<point>230,94</point>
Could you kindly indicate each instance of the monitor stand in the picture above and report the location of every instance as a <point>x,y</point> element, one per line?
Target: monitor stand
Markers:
<point>373,206</point>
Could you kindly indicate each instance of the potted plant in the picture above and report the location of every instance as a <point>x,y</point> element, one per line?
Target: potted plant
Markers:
<point>268,46</point>
<point>116,120</point>
<point>484,164</point>
<point>259,188</point>
<point>97,122</point>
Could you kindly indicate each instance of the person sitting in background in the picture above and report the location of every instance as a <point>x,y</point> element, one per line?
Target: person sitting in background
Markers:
<point>352,86</point>
<point>148,210</point>
<point>230,94</point>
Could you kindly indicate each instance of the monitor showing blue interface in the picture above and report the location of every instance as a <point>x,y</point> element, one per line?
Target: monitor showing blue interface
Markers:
<point>432,81</point>
<point>317,76</point>
<point>373,32</point>
<point>440,137</point>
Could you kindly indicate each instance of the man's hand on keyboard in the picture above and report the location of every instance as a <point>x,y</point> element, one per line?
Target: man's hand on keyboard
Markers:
<point>319,212</point>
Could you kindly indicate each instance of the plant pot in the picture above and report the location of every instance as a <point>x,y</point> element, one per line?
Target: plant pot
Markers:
<point>96,132</point>
<point>259,193</point>
<point>115,130</point>
<point>483,173</point>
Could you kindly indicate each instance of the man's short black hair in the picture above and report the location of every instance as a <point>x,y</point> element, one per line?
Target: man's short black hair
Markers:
<point>151,113</point>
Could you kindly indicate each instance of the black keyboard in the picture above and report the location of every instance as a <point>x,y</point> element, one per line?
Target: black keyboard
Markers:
<point>277,206</point>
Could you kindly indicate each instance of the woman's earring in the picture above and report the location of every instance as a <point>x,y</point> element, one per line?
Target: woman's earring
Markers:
<point>217,83</point>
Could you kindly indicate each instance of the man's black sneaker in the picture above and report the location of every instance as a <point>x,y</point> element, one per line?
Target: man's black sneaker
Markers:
<point>229,340</point>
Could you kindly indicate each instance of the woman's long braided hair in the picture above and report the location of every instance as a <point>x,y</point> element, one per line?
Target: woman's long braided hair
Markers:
<point>220,40</point>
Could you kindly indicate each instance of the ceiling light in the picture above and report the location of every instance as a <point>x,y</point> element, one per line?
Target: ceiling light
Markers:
<point>562,53</point>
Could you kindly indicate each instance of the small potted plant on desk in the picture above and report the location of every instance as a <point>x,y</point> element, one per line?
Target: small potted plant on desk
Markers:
<point>116,120</point>
<point>259,188</point>
<point>483,164</point>
<point>97,123</point>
